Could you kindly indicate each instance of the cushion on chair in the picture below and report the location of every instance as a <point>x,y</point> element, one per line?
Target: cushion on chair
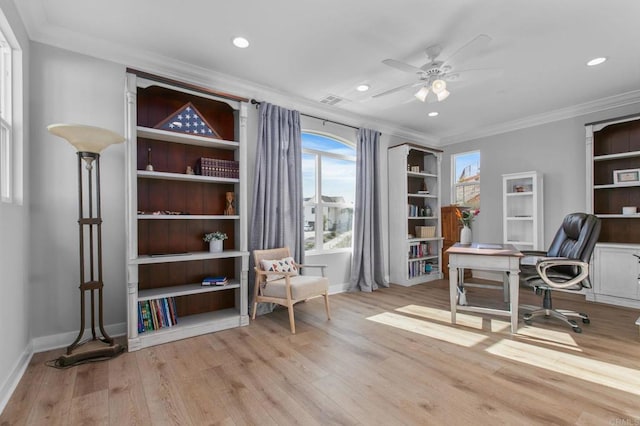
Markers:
<point>529,276</point>
<point>286,264</point>
<point>302,287</point>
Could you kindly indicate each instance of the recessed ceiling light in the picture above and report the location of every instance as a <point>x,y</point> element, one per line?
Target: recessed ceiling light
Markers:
<point>363,88</point>
<point>596,61</point>
<point>240,42</point>
<point>433,114</point>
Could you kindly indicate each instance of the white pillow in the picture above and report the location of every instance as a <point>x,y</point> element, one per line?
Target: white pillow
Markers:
<point>279,265</point>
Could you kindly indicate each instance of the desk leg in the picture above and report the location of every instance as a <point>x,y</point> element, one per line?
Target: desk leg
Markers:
<point>453,291</point>
<point>505,286</point>
<point>514,293</point>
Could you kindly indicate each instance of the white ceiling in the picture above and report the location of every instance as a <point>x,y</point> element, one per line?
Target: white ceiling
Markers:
<point>307,50</point>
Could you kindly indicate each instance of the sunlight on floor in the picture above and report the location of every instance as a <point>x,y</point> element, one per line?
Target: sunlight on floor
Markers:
<point>602,373</point>
<point>548,337</point>
<point>437,331</point>
<point>472,321</point>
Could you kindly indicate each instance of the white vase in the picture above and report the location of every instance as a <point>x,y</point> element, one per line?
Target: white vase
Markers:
<point>465,235</point>
<point>215,246</point>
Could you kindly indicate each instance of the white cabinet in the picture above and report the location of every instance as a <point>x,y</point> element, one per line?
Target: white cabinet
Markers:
<point>616,275</point>
<point>415,239</point>
<point>522,207</point>
<point>177,186</point>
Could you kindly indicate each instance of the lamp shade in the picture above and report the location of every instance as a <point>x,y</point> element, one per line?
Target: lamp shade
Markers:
<point>86,138</point>
<point>422,93</point>
<point>438,86</point>
<point>442,95</point>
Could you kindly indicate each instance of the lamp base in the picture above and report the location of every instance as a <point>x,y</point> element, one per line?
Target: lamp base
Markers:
<point>91,350</point>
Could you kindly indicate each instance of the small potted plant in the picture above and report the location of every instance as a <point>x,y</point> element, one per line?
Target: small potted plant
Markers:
<point>215,240</point>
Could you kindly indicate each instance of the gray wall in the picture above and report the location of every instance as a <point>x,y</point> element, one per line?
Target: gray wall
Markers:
<point>71,88</point>
<point>14,236</point>
<point>557,150</point>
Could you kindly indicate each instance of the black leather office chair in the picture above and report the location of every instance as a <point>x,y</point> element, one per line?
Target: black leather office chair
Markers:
<point>564,266</point>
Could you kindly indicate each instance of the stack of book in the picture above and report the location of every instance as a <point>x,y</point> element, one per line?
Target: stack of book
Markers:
<point>156,313</point>
<point>217,168</point>
<point>215,281</point>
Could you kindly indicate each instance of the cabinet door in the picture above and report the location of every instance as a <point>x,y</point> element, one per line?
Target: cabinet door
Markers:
<point>616,272</point>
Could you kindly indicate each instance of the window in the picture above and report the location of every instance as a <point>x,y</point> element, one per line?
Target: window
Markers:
<point>329,169</point>
<point>6,152</point>
<point>466,179</point>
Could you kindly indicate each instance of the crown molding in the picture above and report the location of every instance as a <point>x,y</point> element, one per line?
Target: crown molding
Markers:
<point>597,105</point>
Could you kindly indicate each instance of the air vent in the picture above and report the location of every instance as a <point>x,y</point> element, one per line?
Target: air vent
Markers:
<point>331,100</point>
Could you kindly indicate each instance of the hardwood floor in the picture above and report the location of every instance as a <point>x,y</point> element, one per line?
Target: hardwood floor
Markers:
<point>389,357</point>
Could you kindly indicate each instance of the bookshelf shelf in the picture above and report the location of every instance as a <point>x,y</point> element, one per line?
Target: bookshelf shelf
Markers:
<point>184,139</point>
<point>187,217</point>
<point>184,177</point>
<point>183,290</point>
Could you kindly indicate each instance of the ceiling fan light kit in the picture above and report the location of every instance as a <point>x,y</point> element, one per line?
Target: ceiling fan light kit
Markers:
<point>433,75</point>
<point>438,87</point>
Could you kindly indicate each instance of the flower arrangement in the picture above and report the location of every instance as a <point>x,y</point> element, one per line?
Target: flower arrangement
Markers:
<point>214,236</point>
<point>467,216</point>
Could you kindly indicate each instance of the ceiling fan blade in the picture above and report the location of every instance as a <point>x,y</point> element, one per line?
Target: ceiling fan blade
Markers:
<point>397,89</point>
<point>477,74</point>
<point>402,66</point>
<point>468,50</point>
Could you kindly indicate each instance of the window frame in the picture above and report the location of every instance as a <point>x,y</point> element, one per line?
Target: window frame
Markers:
<point>6,128</point>
<point>454,179</point>
<point>12,116</point>
<point>316,202</point>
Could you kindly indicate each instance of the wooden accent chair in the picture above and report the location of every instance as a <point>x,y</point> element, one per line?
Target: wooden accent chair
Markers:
<point>278,281</point>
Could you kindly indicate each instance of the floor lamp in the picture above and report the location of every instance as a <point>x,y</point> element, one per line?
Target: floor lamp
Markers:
<point>89,142</point>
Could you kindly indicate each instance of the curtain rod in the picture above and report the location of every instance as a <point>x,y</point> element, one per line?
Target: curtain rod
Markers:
<point>324,120</point>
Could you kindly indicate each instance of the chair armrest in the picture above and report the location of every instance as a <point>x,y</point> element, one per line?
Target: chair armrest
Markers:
<point>550,262</point>
<point>314,266</point>
<point>531,257</point>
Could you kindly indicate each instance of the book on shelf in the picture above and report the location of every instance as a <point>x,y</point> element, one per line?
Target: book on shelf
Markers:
<point>156,313</point>
<point>215,280</point>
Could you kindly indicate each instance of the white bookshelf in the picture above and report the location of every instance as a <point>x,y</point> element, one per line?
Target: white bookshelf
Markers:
<point>522,207</point>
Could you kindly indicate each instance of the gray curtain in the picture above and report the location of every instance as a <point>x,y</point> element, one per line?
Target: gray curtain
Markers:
<point>277,218</point>
<point>367,267</point>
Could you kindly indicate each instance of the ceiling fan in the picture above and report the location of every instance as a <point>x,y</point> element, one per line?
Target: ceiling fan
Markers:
<point>434,75</point>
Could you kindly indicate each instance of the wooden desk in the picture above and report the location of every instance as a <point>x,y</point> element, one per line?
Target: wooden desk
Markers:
<point>488,257</point>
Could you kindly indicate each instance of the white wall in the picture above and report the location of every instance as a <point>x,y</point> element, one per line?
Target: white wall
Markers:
<point>14,231</point>
<point>557,150</point>
<point>70,88</point>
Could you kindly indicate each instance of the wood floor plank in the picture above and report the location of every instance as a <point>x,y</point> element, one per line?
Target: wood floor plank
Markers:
<point>25,395</point>
<point>127,401</point>
<point>388,357</point>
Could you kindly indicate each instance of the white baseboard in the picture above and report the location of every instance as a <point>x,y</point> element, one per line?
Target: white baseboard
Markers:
<point>55,341</point>
<point>339,288</point>
<point>9,386</point>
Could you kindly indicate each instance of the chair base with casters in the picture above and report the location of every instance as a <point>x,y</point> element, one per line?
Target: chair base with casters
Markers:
<point>278,281</point>
<point>565,266</point>
<point>548,312</point>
